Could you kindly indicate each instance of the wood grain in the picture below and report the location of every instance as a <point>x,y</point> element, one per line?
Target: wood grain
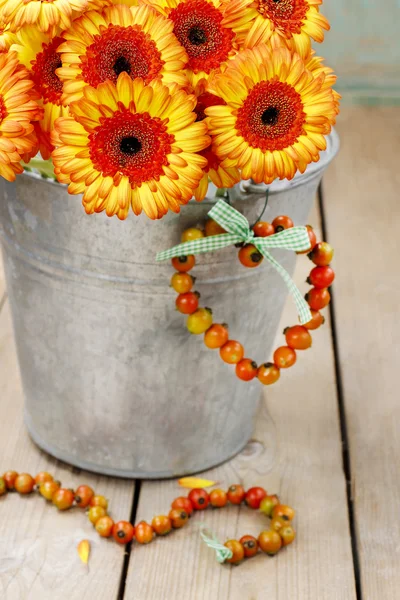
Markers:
<point>296,451</point>
<point>2,282</point>
<point>361,195</point>
<point>38,556</point>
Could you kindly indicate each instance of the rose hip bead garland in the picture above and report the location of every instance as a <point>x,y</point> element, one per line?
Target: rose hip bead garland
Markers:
<point>216,336</point>
<point>270,541</point>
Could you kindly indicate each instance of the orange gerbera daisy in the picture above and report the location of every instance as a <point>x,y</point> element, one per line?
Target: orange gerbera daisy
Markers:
<point>39,53</point>
<point>43,14</point>
<point>291,22</point>
<point>277,112</point>
<point>7,38</point>
<point>136,40</point>
<point>222,177</point>
<point>131,145</point>
<point>199,26</point>
<point>17,111</point>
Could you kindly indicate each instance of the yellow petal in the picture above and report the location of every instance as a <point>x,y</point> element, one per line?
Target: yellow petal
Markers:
<point>84,551</point>
<point>196,482</point>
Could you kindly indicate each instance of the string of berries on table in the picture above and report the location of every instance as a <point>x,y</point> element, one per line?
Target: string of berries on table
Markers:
<point>279,534</point>
<point>281,233</point>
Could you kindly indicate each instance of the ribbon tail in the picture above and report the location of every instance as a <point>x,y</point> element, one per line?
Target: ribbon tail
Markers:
<point>221,551</point>
<point>301,305</point>
<point>200,246</point>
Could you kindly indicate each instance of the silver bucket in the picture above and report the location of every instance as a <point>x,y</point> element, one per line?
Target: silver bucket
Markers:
<point>113,382</point>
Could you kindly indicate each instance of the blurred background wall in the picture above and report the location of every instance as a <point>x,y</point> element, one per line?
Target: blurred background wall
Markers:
<point>363,46</point>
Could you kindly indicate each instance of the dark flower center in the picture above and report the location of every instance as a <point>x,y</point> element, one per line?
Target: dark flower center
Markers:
<point>130,145</point>
<point>121,65</point>
<point>197,36</point>
<point>270,116</point>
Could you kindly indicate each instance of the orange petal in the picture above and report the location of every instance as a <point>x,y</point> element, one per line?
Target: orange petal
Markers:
<point>195,482</point>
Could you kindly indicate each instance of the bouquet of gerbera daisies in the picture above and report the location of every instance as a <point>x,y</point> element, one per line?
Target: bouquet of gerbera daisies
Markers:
<point>140,103</point>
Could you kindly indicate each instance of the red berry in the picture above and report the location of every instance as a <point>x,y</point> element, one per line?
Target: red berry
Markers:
<point>298,337</point>
<point>10,477</point>
<point>321,277</point>
<point>263,229</point>
<point>178,517</point>
<point>321,254</point>
<point>237,551</point>
<point>184,504</point>
<point>123,532</point>
<point>216,336</point>
<point>250,545</point>
<point>199,498</point>
<point>183,263</point>
<point>250,257</point>
<point>187,303</point>
<point>83,496</point>
<point>282,222</point>
<point>317,298</point>
<point>254,496</point>
<point>246,369</point>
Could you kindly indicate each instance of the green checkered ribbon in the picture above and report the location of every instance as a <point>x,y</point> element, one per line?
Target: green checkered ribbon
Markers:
<point>221,551</point>
<point>238,228</point>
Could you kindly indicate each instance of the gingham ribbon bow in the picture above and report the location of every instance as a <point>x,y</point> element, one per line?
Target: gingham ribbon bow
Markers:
<point>238,228</point>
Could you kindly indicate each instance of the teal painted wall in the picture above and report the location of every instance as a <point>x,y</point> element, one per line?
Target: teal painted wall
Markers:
<point>363,46</point>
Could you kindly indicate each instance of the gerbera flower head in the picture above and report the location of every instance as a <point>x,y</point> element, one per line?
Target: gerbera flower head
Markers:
<point>7,38</point>
<point>18,110</point>
<point>291,22</point>
<point>136,40</point>
<point>277,112</point>
<point>131,144</point>
<point>46,15</point>
<point>200,28</point>
<point>39,53</point>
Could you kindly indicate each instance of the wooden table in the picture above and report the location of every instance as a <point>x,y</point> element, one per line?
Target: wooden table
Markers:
<point>327,438</point>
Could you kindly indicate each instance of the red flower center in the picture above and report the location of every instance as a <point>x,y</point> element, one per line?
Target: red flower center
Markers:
<point>134,145</point>
<point>44,75</point>
<point>285,14</point>
<point>272,116</point>
<point>3,110</point>
<point>213,161</point>
<point>197,25</point>
<point>117,49</point>
<point>204,101</point>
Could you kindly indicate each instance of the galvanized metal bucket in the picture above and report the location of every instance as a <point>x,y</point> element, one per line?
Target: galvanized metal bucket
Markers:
<point>112,380</point>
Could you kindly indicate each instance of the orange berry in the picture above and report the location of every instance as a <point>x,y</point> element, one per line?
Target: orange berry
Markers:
<point>250,257</point>
<point>263,229</point>
<point>83,496</point>
<point>191,234</point>
<point>270,542</point>
<point>237,551</point>
<point>182,282</point>
<point>216,336</point>
<point>218,498</point>
<point>268,373</point>
<point>316,320</point>
<point>63,499</point>
<point>184,263</point>
<point>298,337</point>
<point>199,321</point>
<point>250,545</point>
<point>104,526</point>
<point>183,503</point>
<point>282,222</point>
<point>3,487</point>
<point>10,477</point>
<point>96,513</point>
<point>178,517</point>
<point>199,498</point>
<point>277,523</point>
<point>322,254</point>
<point>236,494</point>
<point>313,240</point>
<point>161,524</point>
<point>48,489</point>
<point>42,477</point>
<point>99,501</point>
<point>246,369</point>
<point>123,532</point>
<point>284,357</point>
<point>232,352</point>
<point>287,534</point>
<point>212,228</point>
<point>187,303</point>
<point>285,512</point>
<point>318,298</point>
<point>144,533</point>
<point>24,483</point>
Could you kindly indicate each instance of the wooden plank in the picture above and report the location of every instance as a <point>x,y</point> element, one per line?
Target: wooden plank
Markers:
<point>38,556</point>
<point>361,195</point>
<point>2,281</point>
<point>296,452</point>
